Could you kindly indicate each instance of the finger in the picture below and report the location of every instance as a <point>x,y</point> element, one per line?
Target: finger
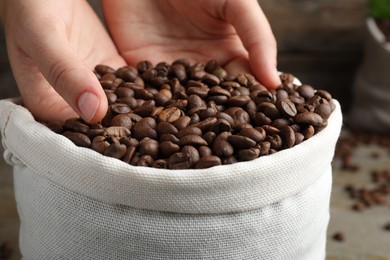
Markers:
<point>68,75</point>
<point>257,37</point>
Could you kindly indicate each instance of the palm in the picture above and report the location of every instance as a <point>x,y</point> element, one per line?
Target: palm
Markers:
<point>167,30</point>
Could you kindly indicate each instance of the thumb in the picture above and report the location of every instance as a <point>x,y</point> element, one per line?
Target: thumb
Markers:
<point>257,37</point>
<point>70,77</point>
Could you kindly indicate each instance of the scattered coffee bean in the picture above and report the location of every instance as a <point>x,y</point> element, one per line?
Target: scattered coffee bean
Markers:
<point>339,236</point>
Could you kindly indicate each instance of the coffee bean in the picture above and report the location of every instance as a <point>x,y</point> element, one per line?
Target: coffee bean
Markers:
<point>192,152</point>
<point>169,137</point>
<point>222,148</point>
<point>308,118</point>
<point>145,161</point>
<point>127,73</point>
<point>145,128</point>
<point>339,236</point>
<point>117,131</point>
<point>149,146</point>
<point>305,91</point>
<point>207,162</point>
<point>275,141</point>
<point>189,130</point>
<point>288,136</point>
<point>286,107</point>
<point>170,114</point>
<point>218,91</point>
<point>238,101</point>
<point>299,138</point>
<point>253,134</point>
<point>129,154</point>
<point>308,132</point>
<point>167,148</point>
<point>269,109</point>
<point>193,140</point>
<point>116,150</point>
<point>179,161</point>
<point>324,110</point>
<point>75,125</point>
<point>56,127</point>
<point>166,128</point>
<point>210,79</point>
<point>100,144</point>
<point>324,94</point>
<point>160,164</point>
<point>248,154</point>
<point>241,142</point>
<point>122,120</point>
<point>182,122</point>
<point>206,125</point>
<point>78,139</point>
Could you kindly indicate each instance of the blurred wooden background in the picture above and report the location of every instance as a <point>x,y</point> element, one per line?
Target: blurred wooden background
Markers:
<point>318,41</point>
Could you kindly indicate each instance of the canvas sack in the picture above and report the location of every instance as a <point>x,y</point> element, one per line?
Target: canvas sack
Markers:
<point>75,203</point>
<point>371,91</point>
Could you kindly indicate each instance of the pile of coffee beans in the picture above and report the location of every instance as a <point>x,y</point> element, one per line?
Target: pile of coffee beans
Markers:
<point>182,116</point>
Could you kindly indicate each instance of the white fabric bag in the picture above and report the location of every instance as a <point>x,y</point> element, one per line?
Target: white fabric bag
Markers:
<point>74,203</point>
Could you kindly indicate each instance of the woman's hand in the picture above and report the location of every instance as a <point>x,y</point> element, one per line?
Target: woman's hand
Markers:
<point>53,47</point>
<point>235,33</point>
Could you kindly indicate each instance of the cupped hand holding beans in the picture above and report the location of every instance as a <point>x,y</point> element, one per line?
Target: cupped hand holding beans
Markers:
<point>54,45</point>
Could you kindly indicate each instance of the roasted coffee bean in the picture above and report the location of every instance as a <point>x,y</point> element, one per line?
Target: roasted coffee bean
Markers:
<point>166,128</point>
<point>143,66</point>
<point>309,118</point>
<point>286,107</point>
<point>324,110</point>
<point>238,101</point>
<point>149,146</point>
<point>179,71</point>
<point>202,92</point>
<point>288,136</point>
<point>179,161</point>
<point>103,69</point>
<point>169,137</point>
<point>248,154</point>
<point>222,148</point>
<point>122,120</point>
<point>208,112</point>
<point>269,109</point>
<point>299,138</point>
<point>193,140</point>
<point>111,97</point>
<point>301,108</point>
<point>56,127</point>
<point>167,148</point>
<point>145,161</point>
<point>160,164</point>
<point>192,152</point>
<point>270,130</point>
<point>129,154</point>
<point>117,131</point>
<point>209,137</point>
<point>305,91</point>
<point>241,142</point>
<point>205,125</point>
<point>259,96</point>
<point>218,91</point>
<point>210,79</point>
<point>75,125</point>
<point>146,109</point>
<point>78,139</point>
<point>182,122</point>
<point>261,119</point>
<point>253,134</point>
<point>119,108</point>
<point>308,132</point>
<point>100,144</point>
<point>230,160</point>
<point>145,128</point>
<point>189,130</point>
<point>280,122</point>
<point>265,147</point>
<point>170,114</point>
<point>275,141</point>
<point>339,236</point>
<point>207,162</point>
<point>324,94</point>
<point>116,150</point>
<point>127,73</point>
<point>221,125</point>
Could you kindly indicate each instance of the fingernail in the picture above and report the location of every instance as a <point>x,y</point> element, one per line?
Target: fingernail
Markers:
<point>88,104</point>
